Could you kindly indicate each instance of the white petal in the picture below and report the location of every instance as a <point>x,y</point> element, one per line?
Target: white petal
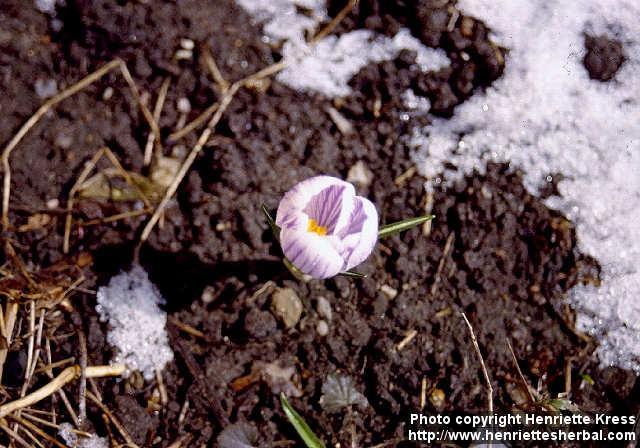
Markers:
<point>311,253</point>
<point>364,241</point>
<point>296,199</point>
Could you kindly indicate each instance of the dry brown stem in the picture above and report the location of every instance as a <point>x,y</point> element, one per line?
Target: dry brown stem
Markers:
<point>67,375</point>
<point>484,367</point>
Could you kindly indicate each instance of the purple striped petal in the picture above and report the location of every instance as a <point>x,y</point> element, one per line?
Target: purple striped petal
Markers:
<point>296,200</point>
<point>311,253</point>
<point>360,237</point>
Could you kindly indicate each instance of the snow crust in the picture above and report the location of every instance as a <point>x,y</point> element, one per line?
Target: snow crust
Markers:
<point>130,304</point>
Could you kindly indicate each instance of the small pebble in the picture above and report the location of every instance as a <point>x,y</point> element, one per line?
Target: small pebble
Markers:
<point>286,306</point>
<point>323,307</point>
<point>187,44</point>
<point>322,328</point>
<point>388,291</point>
<point>184,106</point>
<point>183,54</point>
<point>360,174</point>
<point>53,203</point>
<point>107,94</point>
<point>208,294</point>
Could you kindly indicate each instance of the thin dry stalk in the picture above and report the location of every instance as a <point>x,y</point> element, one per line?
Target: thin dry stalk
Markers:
<point>123,432</point>
<point>223,84</point>
<point>12,434</point>
<point>531,393</point>
<point>31,344</point>
<point>49,367</point>
<point>67,375</point>
<point>196,123</point>
<point>61,393</point>
<point>39,431</point>
<point>17,427</point>
<point>10,316</point>
<point>36,356</point>
<point>164,398</point>
<point>411,334</point>
<point>484,367</point>
<point>113,218</point>
<point>89,166</point>
<point>52,102</point>
<point>336,20</point>
<point>82,387</point>
<point>157,111</point>
<point>445,253</point>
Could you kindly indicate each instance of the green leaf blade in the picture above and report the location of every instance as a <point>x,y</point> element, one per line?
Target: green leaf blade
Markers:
<point>301,427</point>
<point>400,226</point>
<point>274,227</point>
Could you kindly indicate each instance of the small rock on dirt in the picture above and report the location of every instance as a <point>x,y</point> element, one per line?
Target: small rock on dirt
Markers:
<point>286,306</point>
<point>323,307</point>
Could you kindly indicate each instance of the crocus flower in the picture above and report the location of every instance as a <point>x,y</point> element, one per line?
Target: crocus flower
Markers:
<point>325,227</point>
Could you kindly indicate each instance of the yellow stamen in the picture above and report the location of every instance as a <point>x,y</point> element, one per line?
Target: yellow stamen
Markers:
<point>316,228</point>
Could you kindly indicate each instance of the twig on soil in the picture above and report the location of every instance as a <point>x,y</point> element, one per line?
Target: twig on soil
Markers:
<point>52,102</point>
<point>164,399</point>
<point>186,439</point>
<point>157,110</point>
<point>9,323</point>
<point>531,394</point>
<point>423,393</point>
<point>12,434</point>
<point>82,387</point>
<point>38,431</point>
<point>223,84</point>
<point>443,259</point>
<point>484,367</point>
<point>187,328</point>
<point>67,375</point>
<point>408,338</point>
<point>336,20</point>
<point>63,395</point>
<point>123,432</point>
<point>183,412</point>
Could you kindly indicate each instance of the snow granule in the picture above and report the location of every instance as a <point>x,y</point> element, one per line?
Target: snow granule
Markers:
<point>327,66</point>
<point>130,304</point>
<point>545,116</point>
<point>72,439</point>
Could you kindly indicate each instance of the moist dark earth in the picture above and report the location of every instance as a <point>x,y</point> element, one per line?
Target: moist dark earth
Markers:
<point>508,262</point>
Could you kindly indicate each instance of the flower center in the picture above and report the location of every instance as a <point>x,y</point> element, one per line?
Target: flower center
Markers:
<point>316,228</point>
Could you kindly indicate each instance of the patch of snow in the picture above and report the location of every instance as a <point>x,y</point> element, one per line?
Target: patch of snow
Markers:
<point>329,64</point>
<point>130,304</point>
<point>72,439</point>
<point>546,116</point>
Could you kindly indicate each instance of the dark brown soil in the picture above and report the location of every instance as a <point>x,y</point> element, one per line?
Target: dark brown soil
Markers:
<point>511,259</point>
